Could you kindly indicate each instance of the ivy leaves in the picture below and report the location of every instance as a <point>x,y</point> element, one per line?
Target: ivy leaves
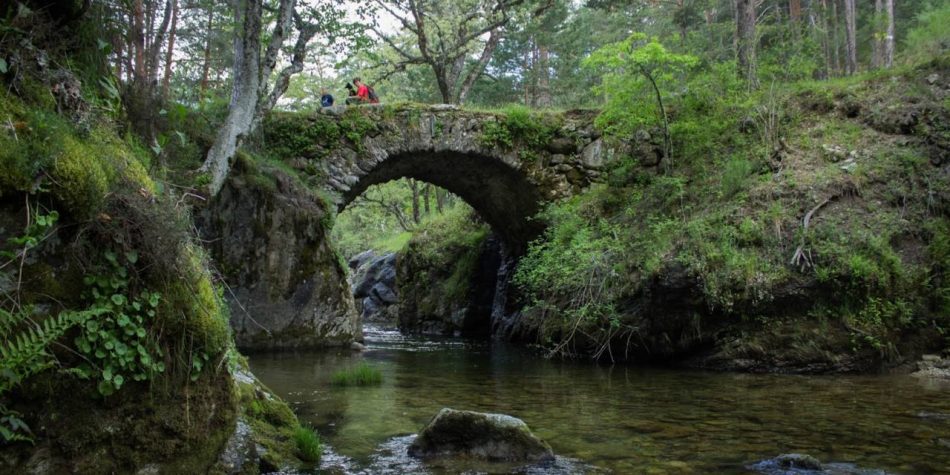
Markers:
<point>118,344</point>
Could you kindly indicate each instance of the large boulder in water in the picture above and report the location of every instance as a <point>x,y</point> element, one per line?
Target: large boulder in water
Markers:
<point>492,437</point>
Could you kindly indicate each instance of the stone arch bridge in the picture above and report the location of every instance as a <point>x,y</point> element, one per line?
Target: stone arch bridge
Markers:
<point>268,230</point>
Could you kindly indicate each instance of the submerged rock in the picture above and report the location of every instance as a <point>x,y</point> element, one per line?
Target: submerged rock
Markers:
<point>494,437</point>
<point>802,464</point>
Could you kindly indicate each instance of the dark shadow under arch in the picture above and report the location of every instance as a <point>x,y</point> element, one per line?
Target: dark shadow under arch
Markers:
<point>502,195</point>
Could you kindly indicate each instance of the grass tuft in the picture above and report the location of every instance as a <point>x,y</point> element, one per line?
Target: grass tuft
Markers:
<point>309,447</point>
<point>361,375</point>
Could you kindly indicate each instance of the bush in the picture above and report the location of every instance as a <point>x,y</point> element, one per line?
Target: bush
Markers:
<point>361,375</point>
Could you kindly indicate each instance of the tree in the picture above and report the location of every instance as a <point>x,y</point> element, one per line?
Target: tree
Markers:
<point>252,94</point>
<point>746,42</point>
<point>889,38</point>
<point>649,59</point>
<point>850,33</point>
<point>445,37</point>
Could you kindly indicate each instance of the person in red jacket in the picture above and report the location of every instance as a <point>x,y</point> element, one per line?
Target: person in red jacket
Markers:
<point>364,93</point>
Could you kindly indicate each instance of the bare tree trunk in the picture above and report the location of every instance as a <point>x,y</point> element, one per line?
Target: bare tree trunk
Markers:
<point>170,52</point>
<point>851,46</point>
<point>155,46</point>
<point>493,39</point>
<point>825,36</point>
<point>414,186</point>
<point>836,37</point>
<point>877,36</point>
<point>794,10</point>
<point>138,40</point>
<point>745,42</point>
<point>246,77</point>
<point>439,200</point>
<point>426,191</point>
<point>206,64</point>
<point>889,39</point>
<point>544,98</point>
<point>282,82</point>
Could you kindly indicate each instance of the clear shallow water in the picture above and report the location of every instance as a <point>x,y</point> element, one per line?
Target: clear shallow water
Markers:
<point>616,419</point>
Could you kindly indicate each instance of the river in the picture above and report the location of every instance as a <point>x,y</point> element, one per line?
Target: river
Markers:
<point>610,419</point>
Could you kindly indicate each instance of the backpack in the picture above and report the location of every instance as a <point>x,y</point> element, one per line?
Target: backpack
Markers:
<point>372,94</point>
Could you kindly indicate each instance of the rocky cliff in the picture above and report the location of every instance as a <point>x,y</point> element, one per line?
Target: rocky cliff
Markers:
<point>268,236</point>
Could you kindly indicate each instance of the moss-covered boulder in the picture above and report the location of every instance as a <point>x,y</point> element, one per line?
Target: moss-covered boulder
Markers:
<point>446,277</point>
<point>268,234</point>
<point>491,437</point>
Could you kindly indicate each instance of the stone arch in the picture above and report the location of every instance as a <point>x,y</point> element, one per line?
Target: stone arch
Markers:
<point>501,195</point>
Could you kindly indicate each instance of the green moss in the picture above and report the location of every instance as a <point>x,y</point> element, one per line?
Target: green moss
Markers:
<point>520,125</point>
<point>289,136</point>
<point>193,307</point>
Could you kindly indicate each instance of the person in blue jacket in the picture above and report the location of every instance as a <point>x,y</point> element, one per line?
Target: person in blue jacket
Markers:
<point>326,99</point>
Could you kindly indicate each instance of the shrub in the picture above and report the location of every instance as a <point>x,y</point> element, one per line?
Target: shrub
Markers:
<point>361,375</point>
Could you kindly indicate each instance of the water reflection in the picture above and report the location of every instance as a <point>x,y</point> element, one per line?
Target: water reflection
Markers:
<point>622,419</point>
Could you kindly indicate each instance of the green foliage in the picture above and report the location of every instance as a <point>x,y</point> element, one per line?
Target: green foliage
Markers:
<point>519,125</point>
<point>25,352</point>
<point>930,37</point>
<point>290,136</point>
<point>361,375</point>
<point>737,171</point>
<point>448,245</point>
<point>118,344</point>
<point>355,125</point>
<point>309,448</point>
<point>573,276</point>
<point>637,71</point>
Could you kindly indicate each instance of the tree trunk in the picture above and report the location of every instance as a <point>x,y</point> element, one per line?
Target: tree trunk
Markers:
<point>794,10</point>
<point>414,186</point>
<point>745,42</point>
<point>282,82</point>
<point>877,36</point>
<point>138,41</point>
<point>825,37</point>
<point>246,78</point>
<point>155,46</point>
<point>439,200</point>
<point>426,191</point>
<point>851,46</point>
<point>206,64</point>
<point>836,37</point>
<point>544,98</point>
<point>170,53</point>
<point>889,39</point>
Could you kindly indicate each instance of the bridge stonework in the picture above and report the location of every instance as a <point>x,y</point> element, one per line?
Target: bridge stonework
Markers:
<point>505,167</point>
<point>268,228</point>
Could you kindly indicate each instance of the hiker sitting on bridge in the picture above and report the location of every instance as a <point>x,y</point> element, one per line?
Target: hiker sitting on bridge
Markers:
<point>326,99</point>
<point>351,97</point>
<point>364,92</point>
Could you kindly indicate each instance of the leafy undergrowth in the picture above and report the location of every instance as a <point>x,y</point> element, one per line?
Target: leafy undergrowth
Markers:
<point>714,257</point>
<point>112,327</point>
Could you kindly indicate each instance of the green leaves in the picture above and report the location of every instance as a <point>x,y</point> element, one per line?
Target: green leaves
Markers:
<point>118,343</point>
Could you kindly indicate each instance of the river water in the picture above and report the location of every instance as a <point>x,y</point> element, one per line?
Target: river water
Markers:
<point>610,419</point>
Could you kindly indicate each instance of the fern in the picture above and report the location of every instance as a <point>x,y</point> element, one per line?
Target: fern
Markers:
<point>24,353</point>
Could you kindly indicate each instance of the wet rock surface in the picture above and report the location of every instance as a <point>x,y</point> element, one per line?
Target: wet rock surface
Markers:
<point>492,437</point>
<point>802,464</point>
<point>373,282</point>
<point>267,235</point>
